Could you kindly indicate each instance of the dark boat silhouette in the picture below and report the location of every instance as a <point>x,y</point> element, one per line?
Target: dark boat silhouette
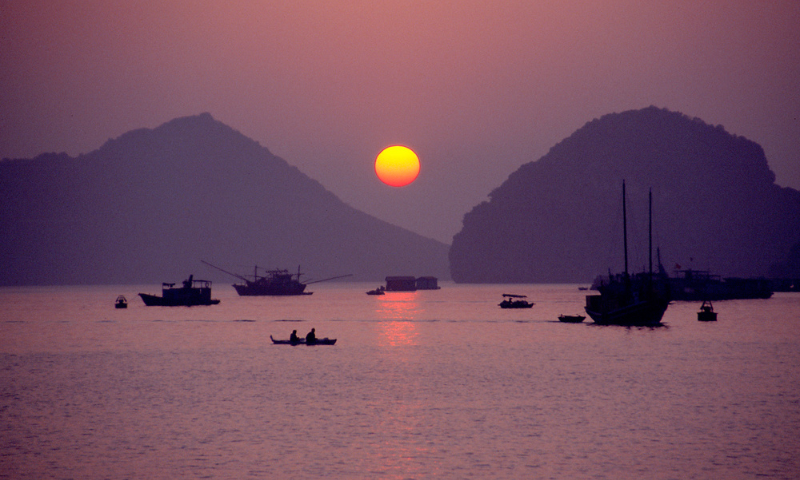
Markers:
<point>302,341</point>
<point>571,318</point>
<point>707,313</point>
<point>631,300</point>
<point>192,292</point>
<point>274,283</point>
<point>515,301</point>
<point>121,302</point>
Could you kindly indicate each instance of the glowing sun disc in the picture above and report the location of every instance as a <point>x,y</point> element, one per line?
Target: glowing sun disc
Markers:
<point>397,166</point>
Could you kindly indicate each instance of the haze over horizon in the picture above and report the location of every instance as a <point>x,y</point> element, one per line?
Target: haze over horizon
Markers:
<point>476,89</point>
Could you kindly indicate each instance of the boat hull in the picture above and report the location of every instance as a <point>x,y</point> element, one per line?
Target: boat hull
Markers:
<point>707,316</point>
<point>571,318</point>
<point>302,341</point>
<point>517,305</point>
<point>646,313</point>
<point>156,301</point>
<point>255,290</point>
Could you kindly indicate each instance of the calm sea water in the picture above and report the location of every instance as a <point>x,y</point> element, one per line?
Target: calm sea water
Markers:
<point>431,384</point>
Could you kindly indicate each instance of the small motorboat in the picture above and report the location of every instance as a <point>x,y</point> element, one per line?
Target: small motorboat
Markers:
<point>121,302</point>
<point>302,341</point>
<point>571,318</point>
<point>515,301</point>
<point>378,291</point>
<point>707,313</point>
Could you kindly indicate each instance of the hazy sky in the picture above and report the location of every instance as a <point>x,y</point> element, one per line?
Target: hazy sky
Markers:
<point>475,88</point>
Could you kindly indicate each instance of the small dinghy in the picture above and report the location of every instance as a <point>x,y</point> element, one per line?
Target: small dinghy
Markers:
<point>571,318</point>
<point>121,302</point>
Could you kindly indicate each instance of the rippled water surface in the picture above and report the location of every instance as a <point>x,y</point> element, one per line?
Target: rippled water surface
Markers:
<point>430,384</point>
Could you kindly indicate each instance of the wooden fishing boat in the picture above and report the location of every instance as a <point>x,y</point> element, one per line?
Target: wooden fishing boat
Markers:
<point>571,318</point>
<point>192,292</point>
<point>278,282</point>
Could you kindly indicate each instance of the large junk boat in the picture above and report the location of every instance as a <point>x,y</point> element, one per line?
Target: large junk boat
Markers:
<point>274,283</point>
<point>192,292</point>
<point>631,300</point>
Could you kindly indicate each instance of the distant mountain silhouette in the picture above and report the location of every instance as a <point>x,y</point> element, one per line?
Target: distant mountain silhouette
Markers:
<point>559,219</point>
<point>148,206</point>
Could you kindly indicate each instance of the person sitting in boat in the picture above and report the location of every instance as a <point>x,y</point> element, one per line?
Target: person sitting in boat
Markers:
<point>293,337</point>
<point>311,338</point>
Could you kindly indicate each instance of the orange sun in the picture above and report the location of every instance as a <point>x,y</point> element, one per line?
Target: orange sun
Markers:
<point>397,166</point>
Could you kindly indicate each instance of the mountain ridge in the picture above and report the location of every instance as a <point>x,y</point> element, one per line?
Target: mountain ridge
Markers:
<point>558,219</point>
<point>148,205</point>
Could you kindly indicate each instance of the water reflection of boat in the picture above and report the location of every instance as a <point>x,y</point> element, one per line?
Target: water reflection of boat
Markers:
<point>515,301</point>
<point>191,293</point>
<point>571,318</point>
<point>302,341</point>
<point>707,313</point>
<point>631,300</point>
<point>121,302</point>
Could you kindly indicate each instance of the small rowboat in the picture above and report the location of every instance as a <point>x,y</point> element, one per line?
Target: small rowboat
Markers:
<point>571,318</point>
<point>302,341</point>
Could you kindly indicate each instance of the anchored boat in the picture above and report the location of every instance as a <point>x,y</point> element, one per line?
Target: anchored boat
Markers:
<point>121,302</point>
<point>274,283</point>
<point>571,318</point>
<point>515,301</point>
<point>192,292</point>
<point>631,300</point>
<point>707,313</point>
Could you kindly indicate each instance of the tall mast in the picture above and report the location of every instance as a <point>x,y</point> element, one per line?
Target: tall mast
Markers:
<point>625,228</point>
<point>650,232</point>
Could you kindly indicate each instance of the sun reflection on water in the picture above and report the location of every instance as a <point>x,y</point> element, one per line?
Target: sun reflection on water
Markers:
<point>398,333</point>
<point>400,308</point>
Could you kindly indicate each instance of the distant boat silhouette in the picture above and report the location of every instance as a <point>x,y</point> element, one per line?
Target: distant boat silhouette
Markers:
<point>515,301</point>
<point>571,318</point>
<point>707,313</point>
<point>192,292</point>
<point>274,283</point>
<point>302,341</point>
<point>121,302</point>
<point>638,300</point>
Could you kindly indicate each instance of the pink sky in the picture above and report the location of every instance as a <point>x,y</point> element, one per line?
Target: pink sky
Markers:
<point>475,88</point>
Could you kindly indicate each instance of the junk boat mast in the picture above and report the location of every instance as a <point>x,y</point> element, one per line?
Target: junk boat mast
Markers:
<point>632,300</point>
